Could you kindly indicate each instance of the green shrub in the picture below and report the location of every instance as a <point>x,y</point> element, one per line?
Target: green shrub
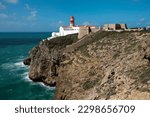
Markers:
<point>89,84</point>
<point>84,51</point>
<point>145,76</point>
<point>92,72</point>
<point>61,41</point>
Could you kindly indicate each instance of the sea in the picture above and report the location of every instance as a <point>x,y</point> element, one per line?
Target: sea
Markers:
<point>14,81</point>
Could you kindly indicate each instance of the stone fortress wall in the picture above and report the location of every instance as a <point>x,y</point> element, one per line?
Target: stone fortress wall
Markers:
<point>114,27</point>
<point>83,31</point>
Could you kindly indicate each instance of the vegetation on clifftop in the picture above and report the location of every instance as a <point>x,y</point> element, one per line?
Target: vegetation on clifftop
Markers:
<point>61,41</point>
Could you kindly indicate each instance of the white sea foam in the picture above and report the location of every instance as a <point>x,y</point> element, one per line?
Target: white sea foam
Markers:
<point>13,66</point>
<point>45,86</point>
<point>7,66</point>
<point>19,64</point>
<point>27,79</point>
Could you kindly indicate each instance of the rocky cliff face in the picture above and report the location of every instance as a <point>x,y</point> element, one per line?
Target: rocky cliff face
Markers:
<point>45,59</point>
<point>103,65</point>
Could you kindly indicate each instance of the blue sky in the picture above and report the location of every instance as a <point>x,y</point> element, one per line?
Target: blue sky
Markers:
<point>48,15</point>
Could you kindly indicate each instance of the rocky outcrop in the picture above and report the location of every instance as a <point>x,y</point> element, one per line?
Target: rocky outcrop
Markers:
<point>45,59</point>
<point>104,65</point>
<point>27,61</point>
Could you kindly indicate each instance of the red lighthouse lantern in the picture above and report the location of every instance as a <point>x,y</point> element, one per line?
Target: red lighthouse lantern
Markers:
<point>72,22</point>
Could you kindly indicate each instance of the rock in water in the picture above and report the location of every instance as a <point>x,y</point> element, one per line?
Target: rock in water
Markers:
<point>27,61</point>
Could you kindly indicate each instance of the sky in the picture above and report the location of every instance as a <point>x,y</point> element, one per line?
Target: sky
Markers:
<point>49,15</point>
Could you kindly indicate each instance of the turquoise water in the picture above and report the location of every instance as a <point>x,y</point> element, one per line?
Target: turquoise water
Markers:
<point>14,81</point>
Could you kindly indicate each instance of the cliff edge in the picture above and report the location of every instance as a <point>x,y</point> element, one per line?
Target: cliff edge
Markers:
<point>102,65</point>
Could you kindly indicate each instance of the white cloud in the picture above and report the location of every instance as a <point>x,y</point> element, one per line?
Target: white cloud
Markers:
<point>27,7</point>
<point>3,16</point>
<point>2,6</point>
<point>60,23</point>
<point>142,19</point>
<point>11,1</point>
<point>32,13</point>
<point>86,23</point>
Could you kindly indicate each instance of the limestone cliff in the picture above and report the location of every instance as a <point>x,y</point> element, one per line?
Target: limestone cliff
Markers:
<point>103,65</point>
<point>45,58</point>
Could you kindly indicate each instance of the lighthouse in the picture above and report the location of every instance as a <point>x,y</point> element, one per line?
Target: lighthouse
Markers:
<point>72,29</point>
<point>72,21</point>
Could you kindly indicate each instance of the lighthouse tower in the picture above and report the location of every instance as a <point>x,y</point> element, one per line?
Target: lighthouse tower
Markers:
<point>72,21</point>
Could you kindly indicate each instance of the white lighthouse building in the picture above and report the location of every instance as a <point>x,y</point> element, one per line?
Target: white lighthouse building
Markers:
<point>66,30</point>
<point>72,29</point>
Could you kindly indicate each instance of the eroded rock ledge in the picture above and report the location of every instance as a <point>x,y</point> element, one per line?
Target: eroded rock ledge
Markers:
<point>103,65</point>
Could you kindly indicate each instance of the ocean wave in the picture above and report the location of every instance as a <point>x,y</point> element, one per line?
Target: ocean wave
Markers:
<point>21,58</point>
<point>19,64</point>
<point>45,86</point>
<point>19,70</point>
<point>26,78</point>
<point>14,66</point>
<point>7,66</point>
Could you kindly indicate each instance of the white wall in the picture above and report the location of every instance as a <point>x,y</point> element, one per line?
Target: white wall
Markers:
<point>55,34</point>
<point>68,30</point>
<point>63,31</point>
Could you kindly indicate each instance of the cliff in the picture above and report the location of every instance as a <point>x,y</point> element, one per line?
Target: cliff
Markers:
<point>103,65</point>
<point>45,59</point>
